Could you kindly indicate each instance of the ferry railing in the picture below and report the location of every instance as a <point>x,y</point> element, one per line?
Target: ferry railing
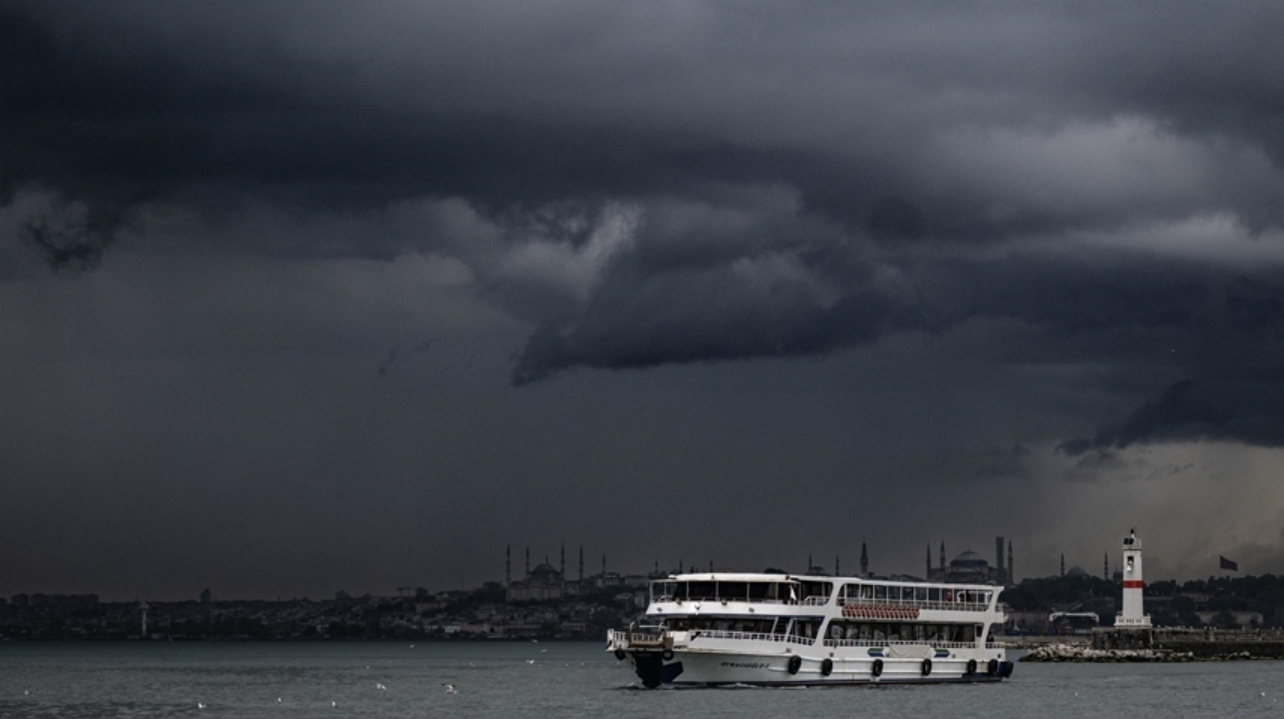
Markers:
<point>872,642</point>
<point>814,600</point>
<point>647,636</point>
<point>914,603</point>
<point>726,634</point>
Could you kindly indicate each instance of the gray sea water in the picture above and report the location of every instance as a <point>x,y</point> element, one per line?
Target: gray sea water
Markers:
<point>503,680</point>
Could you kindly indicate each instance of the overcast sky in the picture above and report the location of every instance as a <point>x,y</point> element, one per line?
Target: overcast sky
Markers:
<point>306,296</point>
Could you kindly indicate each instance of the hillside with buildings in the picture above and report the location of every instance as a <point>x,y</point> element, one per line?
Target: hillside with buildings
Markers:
<point>542,602</point>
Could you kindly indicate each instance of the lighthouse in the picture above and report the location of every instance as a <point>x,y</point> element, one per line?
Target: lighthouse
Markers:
<point>1133,614</point>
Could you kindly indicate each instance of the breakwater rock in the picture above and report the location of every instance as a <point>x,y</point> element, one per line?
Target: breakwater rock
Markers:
<point>1207,651</point>
<point>1081,653</point>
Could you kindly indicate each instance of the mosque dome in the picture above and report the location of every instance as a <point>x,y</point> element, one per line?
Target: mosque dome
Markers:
<point>1076,572</point>
<point>969,559</point>
<point>545,573</point>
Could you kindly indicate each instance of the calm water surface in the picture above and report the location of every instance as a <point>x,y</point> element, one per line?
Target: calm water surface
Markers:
<point>290,681</point>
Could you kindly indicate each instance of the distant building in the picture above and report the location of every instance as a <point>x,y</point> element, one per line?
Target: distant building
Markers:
<point>541,584</point>
<point>971,568</point>
<point>1240,618</point>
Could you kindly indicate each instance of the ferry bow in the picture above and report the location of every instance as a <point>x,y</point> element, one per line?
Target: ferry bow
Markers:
<point>780,629</point>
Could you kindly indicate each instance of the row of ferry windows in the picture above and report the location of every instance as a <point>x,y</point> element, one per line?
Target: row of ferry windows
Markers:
<point>838,629</point>
<point>783,592</point>
<point>915,594</point>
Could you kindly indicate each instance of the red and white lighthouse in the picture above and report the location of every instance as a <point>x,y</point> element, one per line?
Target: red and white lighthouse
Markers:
<point>1133,614</point>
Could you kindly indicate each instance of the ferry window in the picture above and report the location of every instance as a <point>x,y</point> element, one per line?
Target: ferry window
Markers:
<point>880,591</point>
<point>909,632</point>
<point>879,632</point>
<point>894,593</point>
<point>866,591</point>
<point>661,591</point>
<point>851,591</point>
<point>817,589</point>
<point>934,594</point>
<point>920,593</point>
<point>759,591</point>
<point>732,591</point>
<point>806,628</point>
<point>702,590</point>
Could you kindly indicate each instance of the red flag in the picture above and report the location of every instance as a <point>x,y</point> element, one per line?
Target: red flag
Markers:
<point>1228,564</point>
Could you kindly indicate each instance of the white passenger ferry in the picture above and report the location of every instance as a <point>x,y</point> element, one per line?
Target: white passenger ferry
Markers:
<point>780,629</point>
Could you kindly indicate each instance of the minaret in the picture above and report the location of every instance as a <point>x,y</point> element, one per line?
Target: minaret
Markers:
<point>998,559</point>
<point>1011,571</point>
<point>1063,564</point>
<point>563,559</point>
<point>508,566</point>
<point>1132,614</point>
<point>809,563</point>
<point>864,561</point>
<point>1105,570</point>
<point>942,560</point>
<point>837,572</point>
<point>928,576</point>
<point>528,561</point>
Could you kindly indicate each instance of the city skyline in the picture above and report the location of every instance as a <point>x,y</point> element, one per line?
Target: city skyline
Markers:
<point>304,294</point>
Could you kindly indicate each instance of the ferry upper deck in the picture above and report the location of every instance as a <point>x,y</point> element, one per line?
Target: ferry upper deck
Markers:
<point>843,593</point>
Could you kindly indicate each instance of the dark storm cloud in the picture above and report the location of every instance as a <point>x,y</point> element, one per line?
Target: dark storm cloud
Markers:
<point>77,243</point>
<point>807,178</point>
<point>487,102</point>
<point>1244,411</point>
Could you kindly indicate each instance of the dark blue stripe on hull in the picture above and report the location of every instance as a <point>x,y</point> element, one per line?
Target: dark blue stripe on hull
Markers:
<point>979,679</point>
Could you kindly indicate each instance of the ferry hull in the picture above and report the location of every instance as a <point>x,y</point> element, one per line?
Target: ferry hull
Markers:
<point>720,668</point>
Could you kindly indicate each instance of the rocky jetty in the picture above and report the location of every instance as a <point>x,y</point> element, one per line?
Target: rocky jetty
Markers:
<point>1082,653</point>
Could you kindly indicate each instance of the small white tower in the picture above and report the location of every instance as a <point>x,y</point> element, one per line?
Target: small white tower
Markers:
<point>143,608</point>
<point>1133,613</point>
